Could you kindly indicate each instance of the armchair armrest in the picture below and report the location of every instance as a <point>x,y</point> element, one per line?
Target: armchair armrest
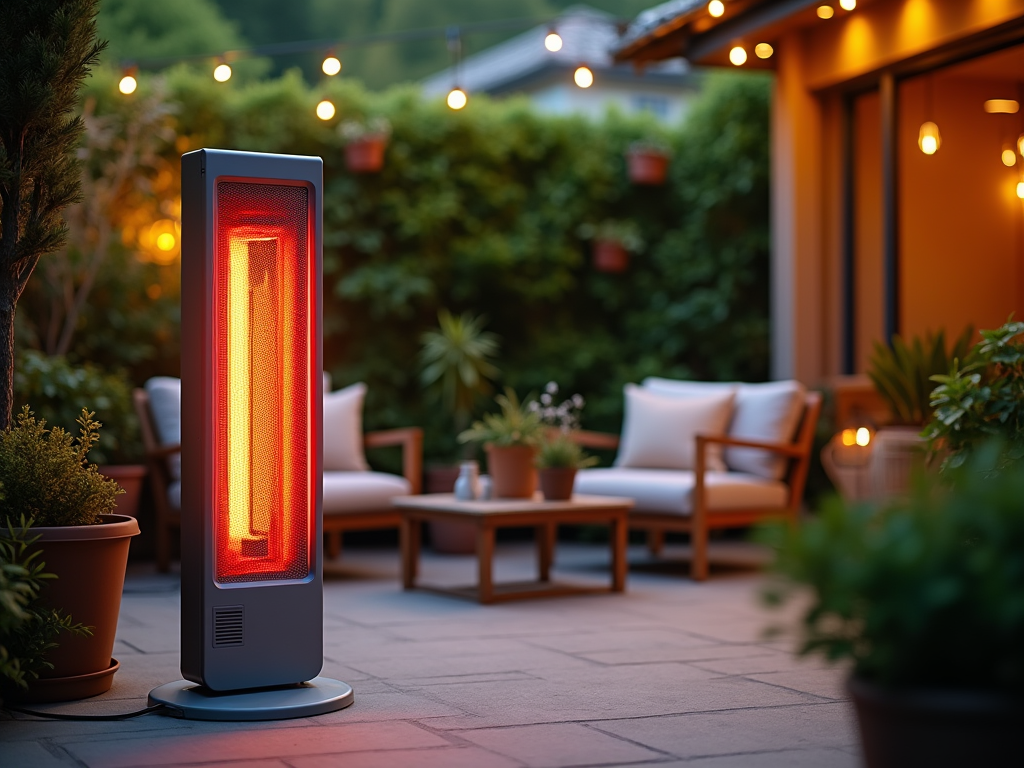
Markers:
<point>786,449</point>
<point>411,441</point>
<point>163,451</point>
<point>599,440</point>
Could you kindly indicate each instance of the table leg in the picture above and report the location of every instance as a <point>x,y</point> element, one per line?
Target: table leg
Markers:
<point>410,541</point>
<point>546,535</point>
<point>485,556</point>
<point>619,537</point>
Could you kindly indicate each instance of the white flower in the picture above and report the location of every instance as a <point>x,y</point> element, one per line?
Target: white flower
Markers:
<point>551,388</point>
<point>545,399</point>
<point>578,401</point>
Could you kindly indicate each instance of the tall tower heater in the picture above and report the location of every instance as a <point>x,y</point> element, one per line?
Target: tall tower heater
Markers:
<point>251,424</point>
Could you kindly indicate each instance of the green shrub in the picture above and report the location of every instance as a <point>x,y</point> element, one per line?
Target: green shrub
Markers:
<point>561,451</point>
<point>516,424</point>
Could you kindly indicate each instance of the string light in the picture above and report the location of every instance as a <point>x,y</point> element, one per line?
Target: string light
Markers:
<point>738,56</point>
<point>583,77</point>
<point>1020,189</point>
<point>1020,144</point>
<point>325,109</point>
<point>222,73</point>
<point>847,5</point>
<point>1009,157</point>
<point>716,8</point>
<point>331,65</point>
<point>826,12</point>
<point>553,41</point>
<point>128,83</point>
<point>457,98</point>
<point>763,51</point>
<point>928,138</point>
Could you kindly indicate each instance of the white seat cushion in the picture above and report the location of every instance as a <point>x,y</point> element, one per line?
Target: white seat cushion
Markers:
<point>361,491</point>
<point>768,412</point>
<point>671,491</point>
<point>343,430</point>
<point>165,405</point>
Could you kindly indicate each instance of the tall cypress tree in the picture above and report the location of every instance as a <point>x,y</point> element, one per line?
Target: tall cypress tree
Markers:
<point>47,48</point>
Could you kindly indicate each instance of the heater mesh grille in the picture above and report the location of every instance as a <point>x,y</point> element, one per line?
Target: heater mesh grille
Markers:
<point>263,379</point>
<point>228,626</point>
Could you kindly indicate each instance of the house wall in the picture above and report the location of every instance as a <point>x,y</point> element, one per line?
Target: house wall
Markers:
<point>669,103</point>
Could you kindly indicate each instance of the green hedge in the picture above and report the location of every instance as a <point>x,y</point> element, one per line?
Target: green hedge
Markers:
<point>481,210</point>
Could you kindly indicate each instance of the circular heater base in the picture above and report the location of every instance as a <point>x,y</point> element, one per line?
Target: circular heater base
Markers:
<point>194,702</point>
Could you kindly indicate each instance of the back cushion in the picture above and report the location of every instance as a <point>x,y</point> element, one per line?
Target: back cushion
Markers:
<point>165,406</point>
<point>659,431</point>
<point>343,430</point>
<point>768,412</point>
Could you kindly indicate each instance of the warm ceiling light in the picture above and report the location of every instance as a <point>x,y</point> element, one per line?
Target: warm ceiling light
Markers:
<point>1001,106</point>
<point>716,8</point>
<point>583,77</point>
<point>1020,189</point>
<point>553,41</point>
<point>222,73</point>
<point>738,56</point>
<point>325,109</point>
<point>826,12</point>
<point>128,84</point>
<point>165,241</point>
<point>1020,144</point>
<point>331,66</point>
<point>847,5</point>
<point>928,138</point>
<point>457,98</point>
<point>1009,158</point>
<point>763,51</point>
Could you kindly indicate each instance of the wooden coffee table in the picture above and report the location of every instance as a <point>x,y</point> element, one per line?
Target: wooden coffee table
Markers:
<point>488,516</point>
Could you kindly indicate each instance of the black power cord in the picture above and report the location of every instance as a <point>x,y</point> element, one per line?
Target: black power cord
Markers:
<point>62,716</point>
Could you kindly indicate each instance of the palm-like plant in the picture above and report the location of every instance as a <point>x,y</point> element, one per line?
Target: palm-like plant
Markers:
<point>455,362</point>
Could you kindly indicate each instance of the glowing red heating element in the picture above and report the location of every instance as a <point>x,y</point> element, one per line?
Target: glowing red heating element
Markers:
<point>263,298</point>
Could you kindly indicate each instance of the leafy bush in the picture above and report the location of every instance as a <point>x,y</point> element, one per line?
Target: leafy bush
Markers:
<point>561,451</point>
<point>927,592</point>
<point>516,424</point>
<point>46,475</point>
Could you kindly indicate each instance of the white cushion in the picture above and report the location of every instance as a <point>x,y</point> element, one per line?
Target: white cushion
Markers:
<point>659,432</point>
<point>165,405</point>
<point>768,412</point>
<point>671,491</point>
<point>361,491</point>
<point>343,430</point>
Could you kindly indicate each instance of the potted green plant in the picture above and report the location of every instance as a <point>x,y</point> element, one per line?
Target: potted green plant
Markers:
<point>612,242</point>
<point>647,162</point>
<point>365,142</point>
<point>47,479</point>
<point>560,455</point>
<point>511,438</point>
<point>924,599</point>
<point>981,396</point>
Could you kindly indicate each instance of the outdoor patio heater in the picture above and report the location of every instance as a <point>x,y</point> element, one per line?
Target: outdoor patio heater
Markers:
<point>251,424</point>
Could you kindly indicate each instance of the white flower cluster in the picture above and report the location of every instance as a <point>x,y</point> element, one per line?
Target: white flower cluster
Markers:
<point>565,415</point>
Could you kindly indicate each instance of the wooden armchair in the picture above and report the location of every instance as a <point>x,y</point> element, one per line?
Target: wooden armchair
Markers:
<point>704,499</point>
<point>168,514</point>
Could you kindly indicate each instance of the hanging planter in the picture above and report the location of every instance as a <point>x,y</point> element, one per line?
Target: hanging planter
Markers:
<point>610,256</point>
<point>647,163</point>
<point>613,241</point>
<point>365,144</point>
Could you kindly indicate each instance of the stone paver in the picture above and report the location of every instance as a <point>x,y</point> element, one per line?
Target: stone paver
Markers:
<point>672,673</point>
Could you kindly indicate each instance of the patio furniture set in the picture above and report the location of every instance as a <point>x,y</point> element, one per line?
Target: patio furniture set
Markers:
<point>692,457</point>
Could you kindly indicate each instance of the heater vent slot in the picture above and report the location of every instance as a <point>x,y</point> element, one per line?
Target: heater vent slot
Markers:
<point>228,626</point>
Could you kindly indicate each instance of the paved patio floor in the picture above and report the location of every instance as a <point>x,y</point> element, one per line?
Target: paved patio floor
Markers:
<point>670,673</point>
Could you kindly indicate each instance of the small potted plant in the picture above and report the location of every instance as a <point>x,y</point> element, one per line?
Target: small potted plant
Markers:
<point>612,242</point>
<point>924,599</point>
<point>365,143</point>
<point>647,161</point>
<point>49,483</point>
<point>560,455</point>
<point>511,439</point>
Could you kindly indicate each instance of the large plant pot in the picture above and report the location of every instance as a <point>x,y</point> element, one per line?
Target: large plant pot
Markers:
<point>556,482</point>
<point>897,452</point>
<point>130,477</point>
<point>365,155</point>
<point>610,256</point>
<point>512,471</point>
<point>89,561</point>
<point>938,728</point>
<point>647,167</point>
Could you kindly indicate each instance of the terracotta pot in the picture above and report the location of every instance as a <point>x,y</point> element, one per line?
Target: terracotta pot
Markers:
<point>937,728</point>
<point>440,479</point>
<point>130,477</point>
<point>365,155</point>
<point>896,453</point>
<point>556,482</point>
<point>610,256</point>
<point>512,471</point>
<point>89,561</point>
<point>647,167</point>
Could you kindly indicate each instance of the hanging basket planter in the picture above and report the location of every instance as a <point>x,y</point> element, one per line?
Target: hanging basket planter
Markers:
<point>610,256</point>
<point>366,155</point>
<point>648,167</point>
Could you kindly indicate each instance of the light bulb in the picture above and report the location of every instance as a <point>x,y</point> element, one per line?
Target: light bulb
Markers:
<point>1009,158</point>
<point>1020,144</point>
<point>222,73</point>
<point>716,8</point>
<point>863,436</point>
<point>127,85</point>
<point>553,41</point>
<point>849,437</point>
<point>583,77</point>
<point>165,241</point>
<point>457,98</point>
<point>847,5</point>
<point>325,109</point>
<point>331,66</point>
<point>763,50</point>
<point>1020,189</point>
<point>738,56</point>
<point>928,138</point>
<point>826,12</point>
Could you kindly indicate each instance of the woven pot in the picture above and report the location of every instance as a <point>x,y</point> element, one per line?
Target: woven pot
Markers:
<point>556,482</point>
<point>512,471</point>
